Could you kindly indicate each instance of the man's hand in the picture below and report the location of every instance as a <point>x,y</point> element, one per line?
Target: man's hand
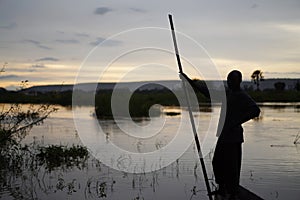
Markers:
<point>183,76</point>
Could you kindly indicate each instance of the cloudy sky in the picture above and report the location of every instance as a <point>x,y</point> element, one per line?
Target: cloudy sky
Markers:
<point>49,42</point>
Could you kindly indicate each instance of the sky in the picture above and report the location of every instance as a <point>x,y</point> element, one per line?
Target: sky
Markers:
<point>57,41</point>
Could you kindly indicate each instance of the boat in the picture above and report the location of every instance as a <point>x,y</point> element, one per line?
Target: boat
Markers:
<point>244,194</point>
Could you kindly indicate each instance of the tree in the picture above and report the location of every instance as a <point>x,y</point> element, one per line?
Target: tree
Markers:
<point>297,86</point>
<point>279,86</point>
<point>3,67</point>
<point>15,122</point>
<point>256,77</point>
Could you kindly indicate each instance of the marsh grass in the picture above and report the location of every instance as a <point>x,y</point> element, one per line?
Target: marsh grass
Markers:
<point>30,164</point>
<point>49,170</point>
<point>62,156</point>
<point>297,139</point>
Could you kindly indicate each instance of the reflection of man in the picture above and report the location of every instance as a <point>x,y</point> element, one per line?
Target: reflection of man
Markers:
<point>228,153</point>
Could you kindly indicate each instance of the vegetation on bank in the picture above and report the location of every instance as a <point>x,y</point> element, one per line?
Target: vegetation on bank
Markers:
<point>275,96</point>
<point>62,98</point>
<point>23,162</point>
<point>140,101</point>
<point>15,121</point>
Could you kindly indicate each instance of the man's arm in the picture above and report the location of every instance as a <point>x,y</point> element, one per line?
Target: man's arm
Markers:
<point>250,110</point>
<point>202,89</point>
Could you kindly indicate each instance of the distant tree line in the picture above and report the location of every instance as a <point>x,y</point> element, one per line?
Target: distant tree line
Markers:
<point>141,100</point>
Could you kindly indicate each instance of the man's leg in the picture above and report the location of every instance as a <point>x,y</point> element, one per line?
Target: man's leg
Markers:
<point>218,167</point>
<point>233,167</point>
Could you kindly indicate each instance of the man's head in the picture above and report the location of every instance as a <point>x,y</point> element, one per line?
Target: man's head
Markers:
<point>234,80</point>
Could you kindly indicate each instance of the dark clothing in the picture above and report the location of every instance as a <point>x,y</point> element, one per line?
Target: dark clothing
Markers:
<point>228,153</point>
<point>227,165</point>
<point>238,109</point>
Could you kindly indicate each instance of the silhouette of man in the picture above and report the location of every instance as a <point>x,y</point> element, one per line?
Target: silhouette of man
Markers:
<point>240,108</point>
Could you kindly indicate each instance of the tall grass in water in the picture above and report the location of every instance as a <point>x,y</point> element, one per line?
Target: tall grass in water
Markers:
<point>297,138</point>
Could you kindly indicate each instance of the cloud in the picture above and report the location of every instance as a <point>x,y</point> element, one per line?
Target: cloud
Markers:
<point>36,67</point>
<point>254,5</point>
<point>139,10</point>
<point>47,59</point>
<point>278,74</point>
<point>9,77</point>
<point>82,34</point>
<point>102,10</point>
<point>37,44</point>
<point>70,41</point>
<point>106,42</point>
<point>9,26</point>
<point>60,32</point>
<point>289,27</point>
<point>283,73</point>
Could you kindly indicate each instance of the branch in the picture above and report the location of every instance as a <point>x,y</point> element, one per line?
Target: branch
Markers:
<point>30,124</point>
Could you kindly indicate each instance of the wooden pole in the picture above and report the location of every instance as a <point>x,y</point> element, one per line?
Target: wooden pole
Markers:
<point>190,109</point>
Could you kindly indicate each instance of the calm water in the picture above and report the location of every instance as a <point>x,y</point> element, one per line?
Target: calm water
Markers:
<point>271,161</point>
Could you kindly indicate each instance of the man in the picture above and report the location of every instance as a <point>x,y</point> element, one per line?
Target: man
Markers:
<point>240,108</point>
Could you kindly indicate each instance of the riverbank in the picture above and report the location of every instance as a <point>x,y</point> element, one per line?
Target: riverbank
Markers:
<point>139,102</point>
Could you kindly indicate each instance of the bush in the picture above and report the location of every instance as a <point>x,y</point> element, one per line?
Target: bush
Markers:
<point>15,122</point>
<point>279,86</point>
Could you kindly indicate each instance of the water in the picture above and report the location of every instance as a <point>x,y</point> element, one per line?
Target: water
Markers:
<point>271,162</point>
<point>271,156</point>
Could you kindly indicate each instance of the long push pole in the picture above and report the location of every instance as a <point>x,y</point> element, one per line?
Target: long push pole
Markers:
<point>190,110</point>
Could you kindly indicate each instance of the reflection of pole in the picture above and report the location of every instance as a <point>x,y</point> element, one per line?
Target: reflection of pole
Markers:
<point>190,110</point>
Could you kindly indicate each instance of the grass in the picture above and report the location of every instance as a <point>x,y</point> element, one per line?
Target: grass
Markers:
<point>297,138</point>
<point>58,155</point>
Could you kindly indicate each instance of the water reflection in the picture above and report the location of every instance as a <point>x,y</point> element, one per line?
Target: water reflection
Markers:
<point>24,168</point>
<point>52,168</point>
<point>38,172</point>
<point>280,106</point>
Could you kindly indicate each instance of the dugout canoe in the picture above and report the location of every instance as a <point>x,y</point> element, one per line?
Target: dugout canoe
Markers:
<point>244,194</point>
